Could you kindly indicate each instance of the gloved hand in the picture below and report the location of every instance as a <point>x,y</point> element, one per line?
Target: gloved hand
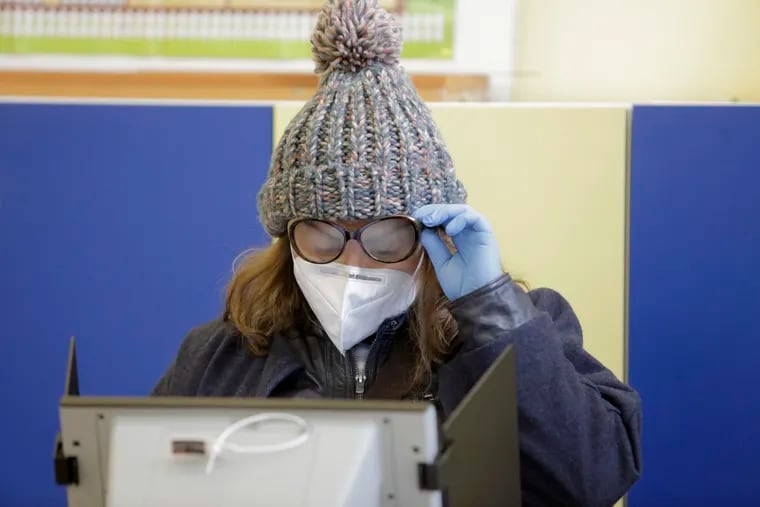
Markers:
<point>476,262</point>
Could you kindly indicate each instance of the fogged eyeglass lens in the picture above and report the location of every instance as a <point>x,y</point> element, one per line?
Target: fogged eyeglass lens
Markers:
<point>390,240</point>
<point>317,241</point>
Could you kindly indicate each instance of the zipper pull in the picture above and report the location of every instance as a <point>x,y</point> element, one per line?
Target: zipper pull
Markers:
<point>358,357</point>
<point>361,379</point>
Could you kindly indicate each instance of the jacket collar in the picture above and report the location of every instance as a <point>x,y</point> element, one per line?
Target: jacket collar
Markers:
<point>282,361</point>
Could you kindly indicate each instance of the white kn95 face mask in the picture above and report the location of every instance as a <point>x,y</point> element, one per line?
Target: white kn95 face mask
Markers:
<point>351,302</point>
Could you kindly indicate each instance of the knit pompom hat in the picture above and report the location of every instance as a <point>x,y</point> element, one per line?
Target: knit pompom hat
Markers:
<point>365,146</point>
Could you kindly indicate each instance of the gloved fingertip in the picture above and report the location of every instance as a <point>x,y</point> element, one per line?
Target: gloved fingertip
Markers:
<point>430,220</point>
<point>455,226</point>
<point>423,210</point>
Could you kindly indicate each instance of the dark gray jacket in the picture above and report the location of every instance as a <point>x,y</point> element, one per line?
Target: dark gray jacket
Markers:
<point>580,427</point>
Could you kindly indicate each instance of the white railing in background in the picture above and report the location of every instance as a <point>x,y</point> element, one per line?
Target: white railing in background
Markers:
<point>108,19</point>
<point>483,37</point>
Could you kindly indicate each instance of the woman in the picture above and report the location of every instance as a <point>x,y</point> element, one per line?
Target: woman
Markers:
<point>383,283</point>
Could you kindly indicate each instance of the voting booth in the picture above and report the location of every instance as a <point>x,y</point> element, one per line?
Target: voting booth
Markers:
<point>188,451</point>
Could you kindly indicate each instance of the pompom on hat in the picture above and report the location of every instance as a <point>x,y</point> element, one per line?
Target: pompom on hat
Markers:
<point>365,146</point>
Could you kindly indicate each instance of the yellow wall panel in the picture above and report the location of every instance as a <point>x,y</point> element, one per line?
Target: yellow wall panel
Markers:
<point>552,181</point>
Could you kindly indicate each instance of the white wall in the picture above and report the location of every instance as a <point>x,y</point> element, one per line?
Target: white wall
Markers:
<point>637,50</point>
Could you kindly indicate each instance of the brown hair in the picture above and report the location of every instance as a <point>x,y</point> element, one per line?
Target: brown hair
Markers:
<point>263,299</point>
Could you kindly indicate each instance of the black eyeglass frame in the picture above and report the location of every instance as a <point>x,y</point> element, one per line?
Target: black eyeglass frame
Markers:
<point>349,235</point>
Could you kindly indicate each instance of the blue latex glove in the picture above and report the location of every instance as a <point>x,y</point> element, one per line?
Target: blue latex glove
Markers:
<point>476,262</point>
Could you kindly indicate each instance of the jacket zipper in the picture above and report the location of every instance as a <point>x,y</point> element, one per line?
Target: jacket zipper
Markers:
<point>360,376</point>
<point>361,370</point>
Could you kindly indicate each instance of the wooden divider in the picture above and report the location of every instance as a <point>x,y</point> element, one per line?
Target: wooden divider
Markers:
<point>204,85</point>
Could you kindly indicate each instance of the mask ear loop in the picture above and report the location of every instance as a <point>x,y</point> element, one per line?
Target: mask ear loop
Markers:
<point>419,263</point>
<point>239,258</point>
<point>416,274</point>
<point>221,444</point>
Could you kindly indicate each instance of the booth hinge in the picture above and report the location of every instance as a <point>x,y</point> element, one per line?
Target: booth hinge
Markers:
<point>433,476</point>
<point>66,467</point>
<point>430,477</point>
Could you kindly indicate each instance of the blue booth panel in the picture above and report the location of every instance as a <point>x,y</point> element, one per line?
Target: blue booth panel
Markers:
<point>119,225</point>
<point>694,349</point>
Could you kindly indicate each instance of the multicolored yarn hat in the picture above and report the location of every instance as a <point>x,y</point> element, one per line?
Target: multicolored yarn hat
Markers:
<point>365,146</point>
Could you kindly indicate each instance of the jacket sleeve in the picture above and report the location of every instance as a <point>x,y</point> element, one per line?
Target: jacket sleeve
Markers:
<point>579,425</point>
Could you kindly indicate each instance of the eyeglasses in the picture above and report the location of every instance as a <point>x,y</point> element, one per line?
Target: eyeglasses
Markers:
<point>389,239</point>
